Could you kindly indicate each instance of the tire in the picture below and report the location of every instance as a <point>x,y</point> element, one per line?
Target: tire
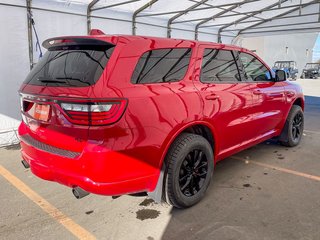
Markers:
<point>182,168</point>
<point>293,129</point>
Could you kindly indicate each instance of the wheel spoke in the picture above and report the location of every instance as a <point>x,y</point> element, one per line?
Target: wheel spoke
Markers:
<point>198,159</point>
<point>294,131</point>
<point>187,183</point>
<point>193,172</point>
<point>199,167</point>
<point>298,131</point>
<point>184,177</point>
<point>204,173</point>
<point>195,156</point>
<point>191,186</point>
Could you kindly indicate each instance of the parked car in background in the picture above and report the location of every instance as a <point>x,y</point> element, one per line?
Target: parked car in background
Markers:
<point>290,67</point>
<point>117,114</point>
<point>311,70</point>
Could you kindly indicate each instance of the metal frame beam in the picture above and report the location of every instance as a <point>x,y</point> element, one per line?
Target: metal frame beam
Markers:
<point>299,8</point>
<point>101,17</point>
<point>221,8</point>
<point>30,38</point>
<point>275,26</point>
<point>89,10</point>
<point>114,5</point>
<point>170,21</point>
<point>285,30</point>
<point>246,17</point>
<point>196,31</point>
<point>319,14</point>
<point>197,9</point>
<point>135,15</point>
<point>254,21</point>
<point>250,12</point>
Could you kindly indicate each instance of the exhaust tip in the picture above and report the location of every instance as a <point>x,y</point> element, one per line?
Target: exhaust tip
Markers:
<point>25,164</point>
<point>78,192</point>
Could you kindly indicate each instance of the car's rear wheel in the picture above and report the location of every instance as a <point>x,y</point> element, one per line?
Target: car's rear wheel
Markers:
<point>292,132</point>
<point>189,170</point>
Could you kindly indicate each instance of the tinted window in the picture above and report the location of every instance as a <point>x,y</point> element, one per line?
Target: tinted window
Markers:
<point>70,67</point>
<point>218,66</point>
<point>162,65</point>
<point>254,70</point>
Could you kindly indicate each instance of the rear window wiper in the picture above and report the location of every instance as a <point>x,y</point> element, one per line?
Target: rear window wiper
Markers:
<point>74,79</point>
<point>50,80</point>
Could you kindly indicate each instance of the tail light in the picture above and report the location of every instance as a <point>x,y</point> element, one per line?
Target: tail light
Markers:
<point>94,113</point>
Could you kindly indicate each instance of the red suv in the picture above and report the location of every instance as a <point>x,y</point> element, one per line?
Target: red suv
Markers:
<point>114,115</point>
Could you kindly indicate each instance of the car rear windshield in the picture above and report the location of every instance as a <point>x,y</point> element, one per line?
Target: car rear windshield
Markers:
<point>70,66</point>
<point>162,65</point>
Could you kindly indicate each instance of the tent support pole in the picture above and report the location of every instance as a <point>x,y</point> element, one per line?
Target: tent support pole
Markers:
<point>135,14</point>
<point>89,10</point>
<point>30,40</point>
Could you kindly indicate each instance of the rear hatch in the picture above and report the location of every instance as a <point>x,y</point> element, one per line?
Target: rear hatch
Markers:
<point>64,93</point>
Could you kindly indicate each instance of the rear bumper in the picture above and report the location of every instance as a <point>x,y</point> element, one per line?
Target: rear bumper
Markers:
<point>95,169</point>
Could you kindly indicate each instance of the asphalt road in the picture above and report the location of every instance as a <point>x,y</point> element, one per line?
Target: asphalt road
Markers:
<point>266,192</point>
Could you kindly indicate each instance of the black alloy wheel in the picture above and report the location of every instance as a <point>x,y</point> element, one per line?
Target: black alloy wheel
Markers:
<point>297,126</point>
<point>193,172</point>
<point>189,164</point>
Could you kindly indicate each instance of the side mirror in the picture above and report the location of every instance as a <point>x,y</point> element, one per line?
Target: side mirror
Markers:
<point>281,76</point>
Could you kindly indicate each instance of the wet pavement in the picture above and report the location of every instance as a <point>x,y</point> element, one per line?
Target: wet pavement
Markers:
<point>266,192</point>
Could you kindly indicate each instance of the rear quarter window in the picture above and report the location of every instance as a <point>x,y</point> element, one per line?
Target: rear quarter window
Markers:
<point>162,65</point>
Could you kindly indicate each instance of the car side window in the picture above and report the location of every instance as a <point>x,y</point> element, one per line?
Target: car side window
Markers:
<point>253,69</point>
<point>218,66</point>
<point>162,65</point>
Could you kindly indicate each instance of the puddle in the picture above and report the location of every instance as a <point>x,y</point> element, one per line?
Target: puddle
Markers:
<point>146,202</point>
<point>144,214</point>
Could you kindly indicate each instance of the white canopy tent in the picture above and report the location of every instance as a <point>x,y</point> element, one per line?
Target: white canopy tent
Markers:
<point>210,20</point>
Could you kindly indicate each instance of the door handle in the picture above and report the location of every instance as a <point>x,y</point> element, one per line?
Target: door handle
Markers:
<point>212,97</point>
<point>257,92</point>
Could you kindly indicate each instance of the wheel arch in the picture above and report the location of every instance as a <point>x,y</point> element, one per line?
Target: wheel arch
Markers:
<point>299,101</point>
<point>196,127</point>
<point>201,128</point>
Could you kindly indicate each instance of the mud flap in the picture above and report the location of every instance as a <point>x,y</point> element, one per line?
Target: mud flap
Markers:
<point>156,195</point>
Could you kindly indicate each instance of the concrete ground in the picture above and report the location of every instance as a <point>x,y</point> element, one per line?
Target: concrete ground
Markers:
<point>266,192</point>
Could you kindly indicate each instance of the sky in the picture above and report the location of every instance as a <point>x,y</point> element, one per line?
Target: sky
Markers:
<point>316,50</point>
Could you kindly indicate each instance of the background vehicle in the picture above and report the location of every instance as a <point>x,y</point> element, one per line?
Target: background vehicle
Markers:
<point>311,70</point>
<point>113,115</point>
<point>290,67</point>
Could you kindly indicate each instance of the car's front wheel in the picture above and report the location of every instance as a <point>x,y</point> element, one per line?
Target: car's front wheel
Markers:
<point>292,132</point>
<point>189,170</point>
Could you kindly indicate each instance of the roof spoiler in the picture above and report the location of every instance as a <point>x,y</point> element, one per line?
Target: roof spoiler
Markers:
<point>96,32</point>
<point>74,41</point>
